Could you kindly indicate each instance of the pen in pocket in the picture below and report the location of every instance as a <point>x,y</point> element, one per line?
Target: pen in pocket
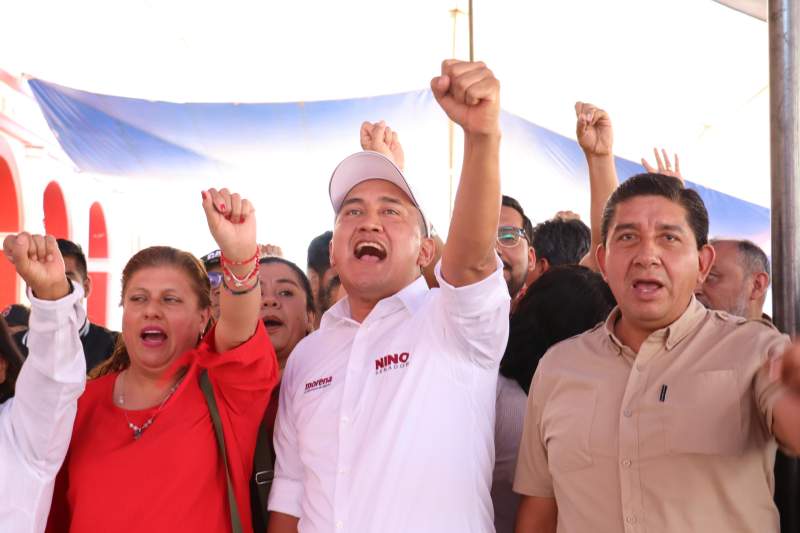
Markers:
<point>663,396</point>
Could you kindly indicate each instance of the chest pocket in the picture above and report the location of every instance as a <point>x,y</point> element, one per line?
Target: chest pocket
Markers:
<point>567,426</point>
<point>704,414</point>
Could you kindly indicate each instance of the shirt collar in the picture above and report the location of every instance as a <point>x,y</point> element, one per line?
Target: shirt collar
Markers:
<point>670,335</point>
<point>410,297</point>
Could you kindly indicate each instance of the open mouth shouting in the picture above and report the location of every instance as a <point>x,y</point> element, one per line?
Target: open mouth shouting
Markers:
<point>271,322</point>
<point>370,251</point>
<point>647,288</point>
<point>153,336</point>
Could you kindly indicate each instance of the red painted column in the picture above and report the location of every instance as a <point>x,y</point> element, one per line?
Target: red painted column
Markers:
<point>97,307</point>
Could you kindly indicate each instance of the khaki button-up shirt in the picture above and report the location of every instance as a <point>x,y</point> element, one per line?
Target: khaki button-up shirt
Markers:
<point>676,438</point>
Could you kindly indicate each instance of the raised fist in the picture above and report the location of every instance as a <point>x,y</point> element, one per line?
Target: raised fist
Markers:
<point>39,264</point>
<point>380,138</point>
<point>232,222</point>
<point>593,129</point>
<point>470,95</point>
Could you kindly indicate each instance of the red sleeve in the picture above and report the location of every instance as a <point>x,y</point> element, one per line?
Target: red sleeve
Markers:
<point>250,369</point>
<point>59,518</point>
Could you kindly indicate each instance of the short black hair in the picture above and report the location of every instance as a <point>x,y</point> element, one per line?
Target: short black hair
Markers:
<point>561,303</point>
<point>73,250</point>
<point>752,258</point>
<point>319,258</point>
<point>650,184</point>
<point>10,354</point>
<point>561,242</point>
<point>527,226</point>
<point>304,283</point>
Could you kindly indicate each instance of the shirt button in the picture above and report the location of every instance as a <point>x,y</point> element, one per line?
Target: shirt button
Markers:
<point>339,525</point>
<point>639,367</point>
<point>626,462</point>
<point>631,520</point>
<point>628,413</point>
<point>345,420</point>
<point>342,470</point>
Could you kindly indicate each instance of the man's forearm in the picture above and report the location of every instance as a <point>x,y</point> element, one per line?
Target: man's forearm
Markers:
<point>786,421</point>
<point>468,256</point>
<point>602,183</point>
<point>282,523</point>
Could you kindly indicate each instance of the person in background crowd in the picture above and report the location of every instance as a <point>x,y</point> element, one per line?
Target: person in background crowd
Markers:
<point>144,456</point>
<point>213,265</point>
<point>514,237</point>
<point>564,301</point>
<point>10,362</point>
<point>558,242</point>
<point>288,314</point>
<point>326,287</point>
<point>407,382</point>
<point>666,416</point>
<point>738,281</point>
<point>16,317</point>
<point>98,342</point>
<point>36,423</point>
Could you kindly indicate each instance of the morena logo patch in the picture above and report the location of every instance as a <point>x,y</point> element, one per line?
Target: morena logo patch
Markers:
<point>318,384</point>
<point>391,361</point>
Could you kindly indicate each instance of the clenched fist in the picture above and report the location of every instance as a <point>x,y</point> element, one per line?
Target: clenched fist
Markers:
<point>39,264</point>
<point>232,222</point>
<point>470,95</point>
<point>593,129</point>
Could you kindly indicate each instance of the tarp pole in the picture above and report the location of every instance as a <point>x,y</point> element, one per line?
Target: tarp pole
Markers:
<point>471,42</point>
<point>784,66</point>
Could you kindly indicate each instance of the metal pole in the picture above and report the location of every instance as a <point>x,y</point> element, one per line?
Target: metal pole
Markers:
<point>784,69</point>
<point>471,43</point>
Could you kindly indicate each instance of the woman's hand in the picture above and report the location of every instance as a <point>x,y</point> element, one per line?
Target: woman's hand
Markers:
<point>232,222</point>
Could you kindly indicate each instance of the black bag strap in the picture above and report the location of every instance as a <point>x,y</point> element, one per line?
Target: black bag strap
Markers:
<point>264,464</point>
<point>208,392</point>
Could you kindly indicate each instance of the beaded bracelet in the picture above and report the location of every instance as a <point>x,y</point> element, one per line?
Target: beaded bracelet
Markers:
<point>239,282</point>
<point>245,291</point>
<point>224,259</point>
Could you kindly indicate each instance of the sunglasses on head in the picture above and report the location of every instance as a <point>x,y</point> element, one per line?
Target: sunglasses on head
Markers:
<point>215,278</point>
<point>509,236</point>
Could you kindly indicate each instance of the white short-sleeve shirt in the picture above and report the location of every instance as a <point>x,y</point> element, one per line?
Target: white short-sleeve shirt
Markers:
<point>388,425</point>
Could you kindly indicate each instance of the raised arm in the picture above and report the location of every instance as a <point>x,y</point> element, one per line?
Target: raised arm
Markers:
<point>35,427</point>
<point>470,95</point>
<point>232,222</point>
<point>596,138</point>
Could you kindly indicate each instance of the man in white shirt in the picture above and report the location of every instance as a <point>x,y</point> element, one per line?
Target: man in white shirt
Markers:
<point>386,415</point>
<point>36,424</point>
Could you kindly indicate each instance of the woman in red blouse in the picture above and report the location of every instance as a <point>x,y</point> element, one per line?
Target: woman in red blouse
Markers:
<point>143,455</point>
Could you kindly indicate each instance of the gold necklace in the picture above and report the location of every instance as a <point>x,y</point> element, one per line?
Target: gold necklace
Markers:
<point>138,430</point>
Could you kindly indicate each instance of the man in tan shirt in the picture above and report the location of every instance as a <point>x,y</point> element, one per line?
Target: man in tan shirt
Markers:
<point>664,418</point>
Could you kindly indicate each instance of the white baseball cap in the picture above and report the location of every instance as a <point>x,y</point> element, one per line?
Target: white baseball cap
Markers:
<point>363,166</point>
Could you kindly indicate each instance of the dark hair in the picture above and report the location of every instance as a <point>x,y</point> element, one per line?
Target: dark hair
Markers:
<point>156,256</point>
<point>668,187</point>
<point>561,303</point>
<point>527,226</point>
<point>70,249</point>
<point>319,259</point>
<point>10,354</point>
<point>751,256</point>
<point>561,242</point>
<point>301,276</point>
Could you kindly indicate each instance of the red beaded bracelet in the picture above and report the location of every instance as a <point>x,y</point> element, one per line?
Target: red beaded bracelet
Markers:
<point>224,259</point>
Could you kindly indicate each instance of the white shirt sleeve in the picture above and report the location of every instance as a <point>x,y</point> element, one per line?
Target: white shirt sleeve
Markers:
<point>286,493</point>
<point>36,424</point>
<point>476,316</point>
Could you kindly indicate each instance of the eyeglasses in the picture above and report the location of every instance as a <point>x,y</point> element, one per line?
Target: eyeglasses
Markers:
<point>509,236</point>
<point>215,278</point>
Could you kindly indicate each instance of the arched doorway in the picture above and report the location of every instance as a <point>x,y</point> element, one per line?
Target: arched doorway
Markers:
<point>98,253</point>
<point>56,222</point>
<point>10,221</point>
